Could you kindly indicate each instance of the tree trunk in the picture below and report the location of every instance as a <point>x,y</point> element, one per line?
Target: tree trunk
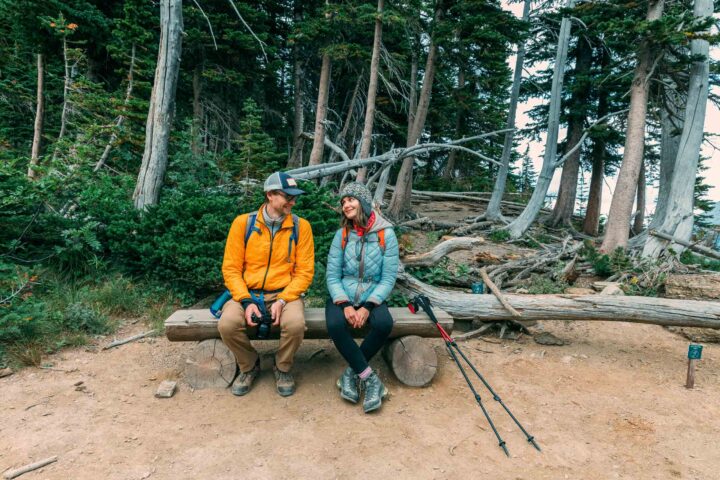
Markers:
<point>617,231</point>
<point>121,118</point>
<point>316,154</point>
<point>400,201</point>
<point>162,105</point>
<point>565,204</point>
<point>372,92</point>
<point>459,120</point>
<point>39,118</point>
<point>639,220</point>
<point>519,226</point>
<point>591,224</point>
<point>295,159</point>
<point>671,124</point>
<point>197,110</point>
<point>678,221</point>
<point>493,211</point>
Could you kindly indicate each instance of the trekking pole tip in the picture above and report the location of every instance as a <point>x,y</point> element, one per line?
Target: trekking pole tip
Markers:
<point>532,440</point>
<point>502,445</point>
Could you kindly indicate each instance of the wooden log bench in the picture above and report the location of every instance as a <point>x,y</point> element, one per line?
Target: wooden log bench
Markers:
<point>211,364</point>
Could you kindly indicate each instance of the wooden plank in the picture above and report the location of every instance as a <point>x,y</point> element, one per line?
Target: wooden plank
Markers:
<point>195,325</point>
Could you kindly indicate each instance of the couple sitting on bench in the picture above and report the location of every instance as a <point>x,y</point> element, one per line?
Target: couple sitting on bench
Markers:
<point>269,261</point>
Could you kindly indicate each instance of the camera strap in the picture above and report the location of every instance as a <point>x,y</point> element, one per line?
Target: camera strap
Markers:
<point>258,296</point>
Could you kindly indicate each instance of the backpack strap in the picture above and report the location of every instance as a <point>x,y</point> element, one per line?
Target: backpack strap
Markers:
<point>250,226</point>
<point>294,236</point>
<point>346,234</point>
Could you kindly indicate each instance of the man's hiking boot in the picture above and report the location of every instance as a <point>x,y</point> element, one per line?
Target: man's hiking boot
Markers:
<point>285,383</point>
<point>348,385</point>
<point>375,391</point>
<point>244,381</point>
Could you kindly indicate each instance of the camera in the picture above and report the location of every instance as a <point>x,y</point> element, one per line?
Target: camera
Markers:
<point>263,325</point>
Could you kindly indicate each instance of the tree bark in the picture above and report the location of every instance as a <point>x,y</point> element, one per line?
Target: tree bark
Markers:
<point>39,118</point>
<point>372,92</point>
<point>639,220</point>
<point>678,215</point>
<point>565,204</point>
<point>162,105</point>
<point>493,211</point>
<point>617,231</point>
<point>519,226</point>
<point>400,201</point>
<point>316,154</point>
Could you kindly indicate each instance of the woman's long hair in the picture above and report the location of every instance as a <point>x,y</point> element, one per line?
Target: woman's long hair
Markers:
<point>360,218</point>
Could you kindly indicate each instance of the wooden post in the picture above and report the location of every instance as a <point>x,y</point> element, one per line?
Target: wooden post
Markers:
<point>694,354</point>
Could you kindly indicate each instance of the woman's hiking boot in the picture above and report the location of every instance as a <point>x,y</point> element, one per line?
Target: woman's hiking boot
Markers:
<point>375,391</point>
<point>348,385</point>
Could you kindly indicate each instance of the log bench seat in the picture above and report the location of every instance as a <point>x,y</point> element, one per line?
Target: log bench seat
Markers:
<point>211,364</point>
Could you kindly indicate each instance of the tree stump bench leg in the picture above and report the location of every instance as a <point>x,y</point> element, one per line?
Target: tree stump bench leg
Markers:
<point>412,360</point>
<point>210,365</point>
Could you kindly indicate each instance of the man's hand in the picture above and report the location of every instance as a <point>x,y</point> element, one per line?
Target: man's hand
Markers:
<point>275,312</point>
<point>350,315</point>
<point>362,316</point>
<point>251,310</point>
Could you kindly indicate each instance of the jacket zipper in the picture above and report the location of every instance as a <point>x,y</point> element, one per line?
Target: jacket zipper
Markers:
<point>361,269</point>
<point>267,270</point>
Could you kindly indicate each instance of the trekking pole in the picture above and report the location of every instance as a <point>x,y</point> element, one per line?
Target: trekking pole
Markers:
<point>421,301</point>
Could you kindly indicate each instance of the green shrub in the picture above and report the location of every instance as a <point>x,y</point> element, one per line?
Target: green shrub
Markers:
<point>79,317</point>
<point>538,284</point>
<point>499,236</point>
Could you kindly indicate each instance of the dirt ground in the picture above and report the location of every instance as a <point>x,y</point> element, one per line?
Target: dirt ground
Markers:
<point>610,404</point>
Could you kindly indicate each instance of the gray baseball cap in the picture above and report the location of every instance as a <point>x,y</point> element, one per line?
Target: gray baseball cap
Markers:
<point>284,182</point>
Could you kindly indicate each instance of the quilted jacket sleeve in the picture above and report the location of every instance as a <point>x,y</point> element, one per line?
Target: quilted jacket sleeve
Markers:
<point>333,272</point>
<point>391,260</point>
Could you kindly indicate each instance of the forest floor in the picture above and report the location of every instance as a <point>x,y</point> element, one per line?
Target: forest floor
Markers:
<point>610,403</point>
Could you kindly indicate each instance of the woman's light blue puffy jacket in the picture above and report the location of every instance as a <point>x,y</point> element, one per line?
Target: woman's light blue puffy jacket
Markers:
<point>346,282</point>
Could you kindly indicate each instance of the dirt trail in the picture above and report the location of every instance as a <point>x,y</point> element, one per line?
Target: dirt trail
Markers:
<point>611,404</point>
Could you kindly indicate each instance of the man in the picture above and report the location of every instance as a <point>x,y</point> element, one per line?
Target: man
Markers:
<point>269,262</point>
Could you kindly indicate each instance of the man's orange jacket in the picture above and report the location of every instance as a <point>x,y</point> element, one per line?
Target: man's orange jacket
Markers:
<point>264,264</point>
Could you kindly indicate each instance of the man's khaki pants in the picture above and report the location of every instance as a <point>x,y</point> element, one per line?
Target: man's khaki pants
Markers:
<point>233,331</point>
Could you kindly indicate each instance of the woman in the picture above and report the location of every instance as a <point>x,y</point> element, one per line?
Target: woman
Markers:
<point>361,271</point>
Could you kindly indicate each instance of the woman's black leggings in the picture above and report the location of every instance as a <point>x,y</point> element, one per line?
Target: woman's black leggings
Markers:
<point>381,324</point>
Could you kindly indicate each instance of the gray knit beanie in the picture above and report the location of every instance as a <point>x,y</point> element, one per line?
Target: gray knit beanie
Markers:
<point>361,192</point>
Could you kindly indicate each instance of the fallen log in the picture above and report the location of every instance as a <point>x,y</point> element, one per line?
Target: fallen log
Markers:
<point>440,250</point>
<point>693,286</point>
<point>695,248</point>
<point>652,310</point>
<point>189,325</point>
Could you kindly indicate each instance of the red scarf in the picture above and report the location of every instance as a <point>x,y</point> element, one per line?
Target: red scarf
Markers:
<point>361,230</point>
